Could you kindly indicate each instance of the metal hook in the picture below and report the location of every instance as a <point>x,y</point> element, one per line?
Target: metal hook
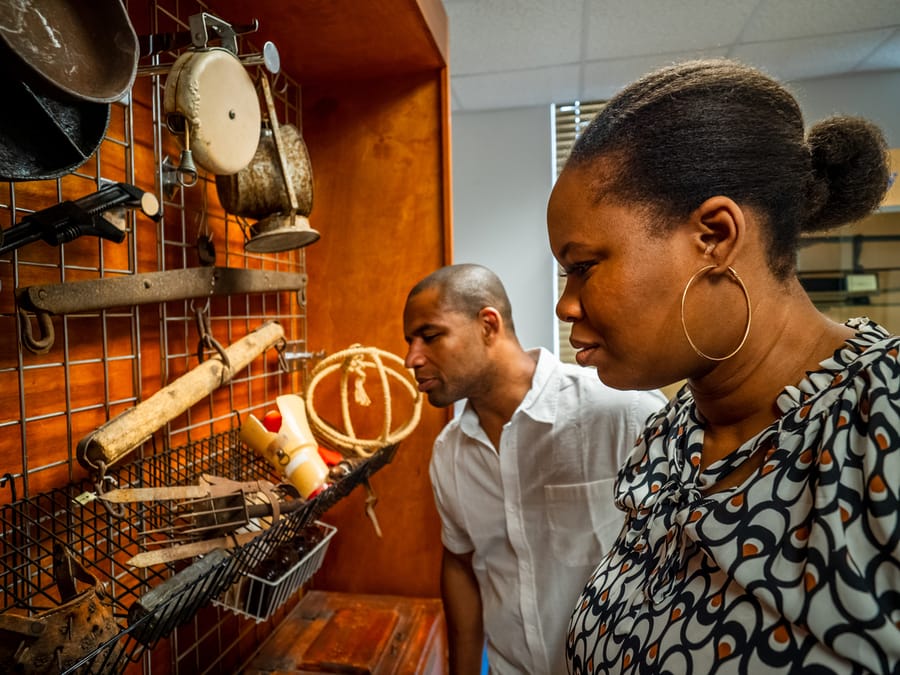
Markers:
<point>115,510</point>
<point>42,344</point>
<point>186,172</point>
<point>280,348</point>
<point>9,478</point>
<point>207,341</point>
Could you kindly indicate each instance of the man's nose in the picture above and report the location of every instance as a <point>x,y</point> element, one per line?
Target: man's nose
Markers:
<point>414,356</point>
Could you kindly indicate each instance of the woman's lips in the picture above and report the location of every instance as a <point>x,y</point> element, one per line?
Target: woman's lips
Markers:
<point>583,355</point>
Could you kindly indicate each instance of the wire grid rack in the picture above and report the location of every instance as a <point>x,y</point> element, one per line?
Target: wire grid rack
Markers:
<point>103,542</point>
<point>257,598</point>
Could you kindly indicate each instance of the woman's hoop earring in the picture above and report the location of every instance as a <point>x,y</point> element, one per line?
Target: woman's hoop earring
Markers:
<point>740,282</point>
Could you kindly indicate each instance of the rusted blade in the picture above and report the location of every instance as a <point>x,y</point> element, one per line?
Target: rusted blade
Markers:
<point>165,555</point>
<point>137,495</point>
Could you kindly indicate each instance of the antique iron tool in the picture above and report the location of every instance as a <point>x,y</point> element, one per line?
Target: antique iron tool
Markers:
<point>138,289</point>
<point>69,220</point>
<point>216,513</point>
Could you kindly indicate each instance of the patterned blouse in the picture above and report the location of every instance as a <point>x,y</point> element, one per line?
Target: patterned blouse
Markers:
<point>796,570</point>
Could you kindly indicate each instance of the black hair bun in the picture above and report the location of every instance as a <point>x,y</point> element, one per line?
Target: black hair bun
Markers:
<point>850,169</point>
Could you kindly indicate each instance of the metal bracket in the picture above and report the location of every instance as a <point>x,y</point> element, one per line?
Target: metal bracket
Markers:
<point>204,24</point>
<point>139,289</point>
<point>293,360</point>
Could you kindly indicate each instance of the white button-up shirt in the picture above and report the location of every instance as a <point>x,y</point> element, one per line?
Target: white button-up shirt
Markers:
<point>538,514</point>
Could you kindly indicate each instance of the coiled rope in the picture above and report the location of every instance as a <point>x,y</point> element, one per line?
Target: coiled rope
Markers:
<point>355,361</point>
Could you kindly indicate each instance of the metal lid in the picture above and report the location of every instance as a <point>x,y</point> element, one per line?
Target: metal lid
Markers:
<point>280,232</point>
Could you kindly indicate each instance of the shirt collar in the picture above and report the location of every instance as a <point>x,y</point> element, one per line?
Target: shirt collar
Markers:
<point>538,404</point>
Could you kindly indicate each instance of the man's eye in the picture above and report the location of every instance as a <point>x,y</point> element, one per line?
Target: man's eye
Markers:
<point>429,337</point>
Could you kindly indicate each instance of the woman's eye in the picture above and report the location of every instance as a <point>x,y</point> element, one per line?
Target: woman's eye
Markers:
<point>576,270</point>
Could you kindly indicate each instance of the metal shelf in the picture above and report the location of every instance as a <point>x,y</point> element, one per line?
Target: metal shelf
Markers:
<point>103,542</point>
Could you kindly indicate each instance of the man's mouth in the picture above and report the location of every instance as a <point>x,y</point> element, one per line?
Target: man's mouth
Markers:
<point>426,383</point>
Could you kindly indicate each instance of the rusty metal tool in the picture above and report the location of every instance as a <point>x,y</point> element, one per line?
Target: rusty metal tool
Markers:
<point>138,289</point>
<point>161,556</point>
<point>216,513</point>
<point>69,220</point>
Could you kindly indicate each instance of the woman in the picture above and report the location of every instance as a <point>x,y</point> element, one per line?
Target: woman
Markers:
<point>761,531</point>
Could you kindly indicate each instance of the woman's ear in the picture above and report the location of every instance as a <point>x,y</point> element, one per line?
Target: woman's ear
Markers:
<point>721,230</point>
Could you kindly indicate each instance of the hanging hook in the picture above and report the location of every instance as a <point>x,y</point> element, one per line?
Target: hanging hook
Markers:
<point>42,344</point>
<point>9,478</point>
<point>280,348</point>
<point>207,341</point>
<point>115,510</point>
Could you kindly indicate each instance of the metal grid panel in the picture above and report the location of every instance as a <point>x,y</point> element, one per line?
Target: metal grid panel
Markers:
<point>107,361</point>
<point>104,542</point>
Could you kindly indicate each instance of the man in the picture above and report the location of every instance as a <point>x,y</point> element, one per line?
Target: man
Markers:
<point>523,478</point>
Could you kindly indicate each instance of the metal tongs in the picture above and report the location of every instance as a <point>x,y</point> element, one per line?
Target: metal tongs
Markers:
<point>216,513</point>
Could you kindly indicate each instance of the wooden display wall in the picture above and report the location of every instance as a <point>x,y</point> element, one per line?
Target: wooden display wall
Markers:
<point>379,146</point>
<point>105,362</point>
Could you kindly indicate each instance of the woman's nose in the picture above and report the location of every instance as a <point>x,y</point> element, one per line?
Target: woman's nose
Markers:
<point>568,307</point>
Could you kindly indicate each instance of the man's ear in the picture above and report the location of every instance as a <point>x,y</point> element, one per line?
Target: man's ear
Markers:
<point>721,229</point>
<point>491,323</point>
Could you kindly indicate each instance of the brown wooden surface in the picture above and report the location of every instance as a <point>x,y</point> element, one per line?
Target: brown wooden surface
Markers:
<point>357,634</point>
<point>323,41</point>
<point>377,156</point>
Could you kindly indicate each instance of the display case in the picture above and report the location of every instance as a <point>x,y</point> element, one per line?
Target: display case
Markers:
<point>367,85</point>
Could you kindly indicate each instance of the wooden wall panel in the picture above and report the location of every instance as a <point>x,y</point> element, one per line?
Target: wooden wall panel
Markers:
<point>376,151</point>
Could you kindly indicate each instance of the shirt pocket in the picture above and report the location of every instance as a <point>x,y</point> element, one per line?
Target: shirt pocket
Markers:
<point>583,521</point>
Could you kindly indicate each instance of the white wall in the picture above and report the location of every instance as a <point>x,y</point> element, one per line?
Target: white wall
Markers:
<point>501,183</point>
<point>875,96</point>
<point>502,177</point>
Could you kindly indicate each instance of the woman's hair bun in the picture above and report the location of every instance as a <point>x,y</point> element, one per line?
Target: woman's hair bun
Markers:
<point>850,171</point>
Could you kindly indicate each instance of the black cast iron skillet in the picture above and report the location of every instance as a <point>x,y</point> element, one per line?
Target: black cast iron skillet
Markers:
<point>88,50</point>
<point>61,64</point>
<point>45,133</point>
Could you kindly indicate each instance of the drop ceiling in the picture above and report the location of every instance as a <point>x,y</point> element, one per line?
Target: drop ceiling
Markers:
<point>513,53</point>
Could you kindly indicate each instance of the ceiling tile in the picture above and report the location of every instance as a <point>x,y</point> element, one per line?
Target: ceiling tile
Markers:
<point>513,34</point>
<point>886,57</point>
<point>780,19</point>
<point>810,57</point>
<point>618,29</point>
<point>603,79</point>
<point>601,45</point>
<point>519,88</point>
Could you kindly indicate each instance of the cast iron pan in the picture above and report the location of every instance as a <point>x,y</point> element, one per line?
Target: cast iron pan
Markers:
<point>88,50</point>
<point>61,64</point>
<point>45,133</point>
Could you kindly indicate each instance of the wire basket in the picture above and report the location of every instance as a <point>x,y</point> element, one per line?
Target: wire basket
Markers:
<point>103,543</point>
<point>257,598</point>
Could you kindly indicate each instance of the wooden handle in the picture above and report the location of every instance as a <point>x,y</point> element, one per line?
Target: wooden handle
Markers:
<point>123,433</point>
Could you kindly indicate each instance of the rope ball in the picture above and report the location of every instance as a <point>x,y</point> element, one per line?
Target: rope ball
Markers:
<point>356,360</point>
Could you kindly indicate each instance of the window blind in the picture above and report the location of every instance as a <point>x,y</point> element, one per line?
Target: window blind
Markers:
<point>569,120</point>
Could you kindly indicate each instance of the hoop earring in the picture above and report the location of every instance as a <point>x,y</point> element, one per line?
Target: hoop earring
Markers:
<point>740,282</point>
